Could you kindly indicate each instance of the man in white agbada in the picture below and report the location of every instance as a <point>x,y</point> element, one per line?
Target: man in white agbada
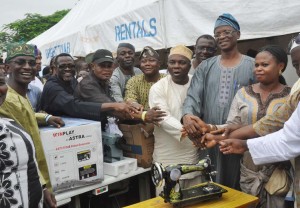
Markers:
<point>169,93</point>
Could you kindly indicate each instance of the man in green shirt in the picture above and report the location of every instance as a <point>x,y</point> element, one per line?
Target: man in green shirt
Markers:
<point>20,65</point>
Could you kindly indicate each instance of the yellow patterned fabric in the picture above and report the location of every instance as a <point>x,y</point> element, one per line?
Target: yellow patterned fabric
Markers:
<point>19,109</point>
<point>247,106</point>
<point>295,87</point>
<point>137,90</point>
<point>275,121</point>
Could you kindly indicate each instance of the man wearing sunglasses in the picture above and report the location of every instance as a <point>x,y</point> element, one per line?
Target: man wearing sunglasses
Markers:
<point>212,90</point>
<point>21,67</point>
<point>58,99</point>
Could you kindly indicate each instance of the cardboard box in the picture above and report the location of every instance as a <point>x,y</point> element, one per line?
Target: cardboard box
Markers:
<point>139,142</point>
<point>73,153</point>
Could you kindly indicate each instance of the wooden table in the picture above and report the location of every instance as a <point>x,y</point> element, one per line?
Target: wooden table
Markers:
<point>230,199</point>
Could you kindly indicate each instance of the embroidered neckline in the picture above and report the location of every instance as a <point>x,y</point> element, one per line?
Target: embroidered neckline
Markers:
<point>229,68</point>
<point>262,107</point>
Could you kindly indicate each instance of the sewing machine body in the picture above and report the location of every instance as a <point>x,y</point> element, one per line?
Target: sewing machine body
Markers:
<point>112,153</point>
<point>172,192</point>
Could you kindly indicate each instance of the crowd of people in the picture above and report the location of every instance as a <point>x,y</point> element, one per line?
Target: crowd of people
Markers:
<point>206,104</point>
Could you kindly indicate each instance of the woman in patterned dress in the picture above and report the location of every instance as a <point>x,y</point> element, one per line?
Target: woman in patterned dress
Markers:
<point>250,104</point>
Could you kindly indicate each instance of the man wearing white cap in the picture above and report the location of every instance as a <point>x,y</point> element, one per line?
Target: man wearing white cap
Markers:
<point>171,146</point>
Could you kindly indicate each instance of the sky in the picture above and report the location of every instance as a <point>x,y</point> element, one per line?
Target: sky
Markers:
<point>12,10</point>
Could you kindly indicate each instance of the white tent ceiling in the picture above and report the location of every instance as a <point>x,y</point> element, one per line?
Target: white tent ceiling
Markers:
<point>95,24</point>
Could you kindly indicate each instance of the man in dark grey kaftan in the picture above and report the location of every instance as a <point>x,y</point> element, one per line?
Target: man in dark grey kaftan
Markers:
<point>212,90</point>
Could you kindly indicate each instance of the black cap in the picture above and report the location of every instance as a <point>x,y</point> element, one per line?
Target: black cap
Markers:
<point>126,45</point>
<point>102,55</point>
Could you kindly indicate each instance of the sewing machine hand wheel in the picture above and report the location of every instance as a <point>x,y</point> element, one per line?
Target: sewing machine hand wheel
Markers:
<point>157,174</point>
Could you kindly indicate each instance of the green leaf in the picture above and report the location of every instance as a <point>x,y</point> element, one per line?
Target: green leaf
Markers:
<point>28,28</point>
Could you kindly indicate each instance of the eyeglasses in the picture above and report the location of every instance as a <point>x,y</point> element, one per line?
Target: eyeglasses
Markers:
<point>64,66</point>
<point>208,49</point>
<point>22,62</point>
<point>226,33</point>
<point>292,41</point>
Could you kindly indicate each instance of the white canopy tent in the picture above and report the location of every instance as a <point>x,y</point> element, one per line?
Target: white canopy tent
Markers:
<point>95,24</point>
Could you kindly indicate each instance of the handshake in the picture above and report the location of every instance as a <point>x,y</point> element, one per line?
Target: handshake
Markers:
<point>207,135</point>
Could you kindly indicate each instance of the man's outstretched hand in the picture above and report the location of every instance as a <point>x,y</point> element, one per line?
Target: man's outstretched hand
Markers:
<point>233,146</point>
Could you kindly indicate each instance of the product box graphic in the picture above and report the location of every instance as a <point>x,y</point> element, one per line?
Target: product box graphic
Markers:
<point>74,153</point>
<point>139,143</point>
